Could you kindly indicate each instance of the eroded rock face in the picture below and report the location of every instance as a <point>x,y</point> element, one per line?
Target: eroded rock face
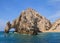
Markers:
<point>55,27</point>
<point>30,22</point>
<point>8,26</point>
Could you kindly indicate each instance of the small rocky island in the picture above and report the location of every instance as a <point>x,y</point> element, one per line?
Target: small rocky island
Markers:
<point>31,22</point>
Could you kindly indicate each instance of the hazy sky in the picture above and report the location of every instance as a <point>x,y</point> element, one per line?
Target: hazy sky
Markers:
<point>11,9</point>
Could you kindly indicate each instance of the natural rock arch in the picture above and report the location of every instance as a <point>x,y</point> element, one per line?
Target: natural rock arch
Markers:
<point>9,27</point>
<point>29,22</point>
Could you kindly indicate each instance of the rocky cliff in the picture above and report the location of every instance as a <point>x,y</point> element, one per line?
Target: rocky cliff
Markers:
<point>29,22</point>
<point>55,26</point>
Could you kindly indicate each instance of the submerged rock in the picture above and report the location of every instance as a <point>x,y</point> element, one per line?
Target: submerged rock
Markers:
<point>29,22</point>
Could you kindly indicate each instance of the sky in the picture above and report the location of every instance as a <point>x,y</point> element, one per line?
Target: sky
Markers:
<point>11,9</point>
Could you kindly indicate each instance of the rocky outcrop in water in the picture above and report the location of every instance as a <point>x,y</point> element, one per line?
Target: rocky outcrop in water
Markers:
<point>55,26</point>
<point>8,26</point>
<point>29,22</point>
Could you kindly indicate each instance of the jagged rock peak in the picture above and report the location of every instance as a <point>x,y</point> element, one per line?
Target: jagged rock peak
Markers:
<point>30,10</point>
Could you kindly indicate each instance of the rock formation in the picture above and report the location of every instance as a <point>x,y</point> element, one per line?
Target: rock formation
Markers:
<point>29,22</point>
<point>8,26</point>
<point>55,26</point>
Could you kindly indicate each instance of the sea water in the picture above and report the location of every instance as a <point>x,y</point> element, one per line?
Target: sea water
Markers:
<point>22,38</point>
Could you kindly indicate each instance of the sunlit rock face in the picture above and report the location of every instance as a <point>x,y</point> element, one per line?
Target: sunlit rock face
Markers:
<point>30,22</point>
<point>55,26</point>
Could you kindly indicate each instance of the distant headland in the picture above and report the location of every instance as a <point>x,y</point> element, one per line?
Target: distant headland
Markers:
<point>31,22</point>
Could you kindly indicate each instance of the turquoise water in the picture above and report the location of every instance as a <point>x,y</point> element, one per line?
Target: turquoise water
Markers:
<point>21,38</point>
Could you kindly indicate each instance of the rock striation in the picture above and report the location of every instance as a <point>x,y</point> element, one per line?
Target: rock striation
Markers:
<point>55,26</point>
<point>29,22</point>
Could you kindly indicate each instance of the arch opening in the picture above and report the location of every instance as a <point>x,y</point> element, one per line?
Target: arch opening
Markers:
<point>12,30</point>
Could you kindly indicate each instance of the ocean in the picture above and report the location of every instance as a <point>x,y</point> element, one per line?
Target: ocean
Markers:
<point>24,38</point>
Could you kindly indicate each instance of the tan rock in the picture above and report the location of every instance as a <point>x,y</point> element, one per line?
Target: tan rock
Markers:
<point>55,27</point>
<point>30,22</point>
<point>8,26</point>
